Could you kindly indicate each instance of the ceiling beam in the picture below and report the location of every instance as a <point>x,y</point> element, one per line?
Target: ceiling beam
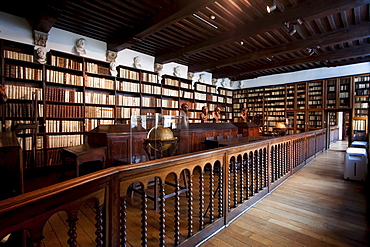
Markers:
<point>326,39</point>
<point>362,51</point>
<point>48,15</point>
<point>307,11</point>
<point>173,13</point>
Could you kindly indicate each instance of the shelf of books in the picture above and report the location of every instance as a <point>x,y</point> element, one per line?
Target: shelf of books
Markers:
<point>315,95</point>
<point>274,107</point>
<point>290,96</point>
<point>345,90</point>
<point>225,101</point>
<point>361,103</point>
<point>331,94</point>
<point>301,97</point>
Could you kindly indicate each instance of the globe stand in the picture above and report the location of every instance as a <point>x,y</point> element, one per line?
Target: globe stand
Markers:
<point>157,146</point>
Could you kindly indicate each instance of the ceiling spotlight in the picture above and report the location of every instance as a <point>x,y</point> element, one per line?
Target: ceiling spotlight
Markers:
<point>271,8</point>
<point>299,21</point>
<point>213,17</point>
<point>241,43</point>
<point>268,59</point>
<point>310,51</point>
<point>292,31</point>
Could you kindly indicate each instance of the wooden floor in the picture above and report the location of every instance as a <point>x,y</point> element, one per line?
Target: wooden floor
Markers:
<point>315,207</point>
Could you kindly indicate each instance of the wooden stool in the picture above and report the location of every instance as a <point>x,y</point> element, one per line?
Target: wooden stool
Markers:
<point>84,153</point>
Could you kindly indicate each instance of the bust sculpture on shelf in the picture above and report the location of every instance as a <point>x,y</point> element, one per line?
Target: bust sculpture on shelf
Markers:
<point>184,115</point>
<point>201,78</point>
<point>136,63</point>
<point>113,68</point>
<point>40,55</point>
<point>216,115</point>
<point>80,47</point>
<point>204,114</point>
<point>158,67</point>
<point>111,56</point>
<point>3,97</point>
<point>244,115</point>
<point>176,71</point>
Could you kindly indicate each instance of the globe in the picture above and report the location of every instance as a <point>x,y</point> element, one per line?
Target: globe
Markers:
<point>159,134</point>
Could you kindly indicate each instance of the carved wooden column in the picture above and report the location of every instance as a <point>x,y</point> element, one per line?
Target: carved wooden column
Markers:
<point>162,213</point>
<point>123,226</point>
<point>99,226</point>
<point>72,233</point>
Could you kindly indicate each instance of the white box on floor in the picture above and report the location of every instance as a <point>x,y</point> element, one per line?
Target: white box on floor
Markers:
<point>355,165</point>
<point>359,144</point>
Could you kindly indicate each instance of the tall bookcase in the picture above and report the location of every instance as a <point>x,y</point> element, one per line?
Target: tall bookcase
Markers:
<point>75,94</point>
<point>361,104</point>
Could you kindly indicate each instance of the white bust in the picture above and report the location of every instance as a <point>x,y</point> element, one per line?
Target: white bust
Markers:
<point>113,68</point>
<point>201,78</point>
<point>80,46</point>
<point>41,55</point>
<point>137,62</point>
<point>176,71</point>
<point>158,67</point>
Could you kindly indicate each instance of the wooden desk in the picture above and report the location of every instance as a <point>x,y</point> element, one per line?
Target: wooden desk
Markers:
<point>11,166</point>
<point>84,153</point>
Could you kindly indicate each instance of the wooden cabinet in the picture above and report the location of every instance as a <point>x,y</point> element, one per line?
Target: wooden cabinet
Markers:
<point>11,167</point>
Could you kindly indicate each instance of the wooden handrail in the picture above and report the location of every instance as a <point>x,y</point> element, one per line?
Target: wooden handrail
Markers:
<point>219,185</point>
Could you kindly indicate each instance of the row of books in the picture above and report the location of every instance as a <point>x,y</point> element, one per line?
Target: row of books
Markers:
<point>57,126</point>
<point>150,89</point>
<point>362,78</point>
<point>200,96</point>
<point>96,68</point>
<point>170,103</point>
<point>65,62</point>
<point>63,95</point>
<point>64,78</point>
<point>22,72</point>
<point>18,56</point>
<point>170,92</point>
<point>129,74</point>
<point>99,112</point>
<point>123,100</point>
<point>100,98</point>
<point>93,123</point>
<point>124,112</point>
<point>21,110</point>
<point>98,82</point>
<point>171,82</point>
<point>150,77</point>
<point>151,102</point>
<point>58,141</point>
<point>26,142</point>
<point>22,92</point>
<point>127,86</point>
<point>64,111</point>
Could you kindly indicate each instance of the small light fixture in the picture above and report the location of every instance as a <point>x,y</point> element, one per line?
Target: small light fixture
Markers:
<point>268,59</point>
<point>292,31</point>
<point>271,8</point>
<point>241,43</point>
<point>213,17</point>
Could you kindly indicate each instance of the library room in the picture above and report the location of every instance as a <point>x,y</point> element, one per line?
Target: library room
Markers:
<point>184,123</point>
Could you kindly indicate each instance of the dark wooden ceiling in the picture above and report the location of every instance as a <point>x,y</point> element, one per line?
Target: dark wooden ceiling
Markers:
<point>243,40</point>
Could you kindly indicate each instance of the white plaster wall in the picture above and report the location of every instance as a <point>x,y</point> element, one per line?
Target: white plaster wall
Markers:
<point>17,29</point>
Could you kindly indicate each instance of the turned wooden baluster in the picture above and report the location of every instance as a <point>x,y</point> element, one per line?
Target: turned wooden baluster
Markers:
<point>99,226</point>
<point>264,168</point>
<point>261,179</point>
<point>177,212</point>
<point>220,192</point>
<point>123,222</point>
<point>190,205</point>
<point>201,200</point>
<point>228,187</point>
<point>144,218</point>
<point>242,179</point>
<point>235,180</point>
<point>250,174</point>
<point>271,157</point>
<point>162,214</point>
<point>212,193</point>
<point>255,172</point>
<point>72,221</point>
<point>279,161</point>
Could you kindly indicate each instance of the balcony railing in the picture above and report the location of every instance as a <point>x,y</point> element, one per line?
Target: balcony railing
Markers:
<point>176,201</point>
